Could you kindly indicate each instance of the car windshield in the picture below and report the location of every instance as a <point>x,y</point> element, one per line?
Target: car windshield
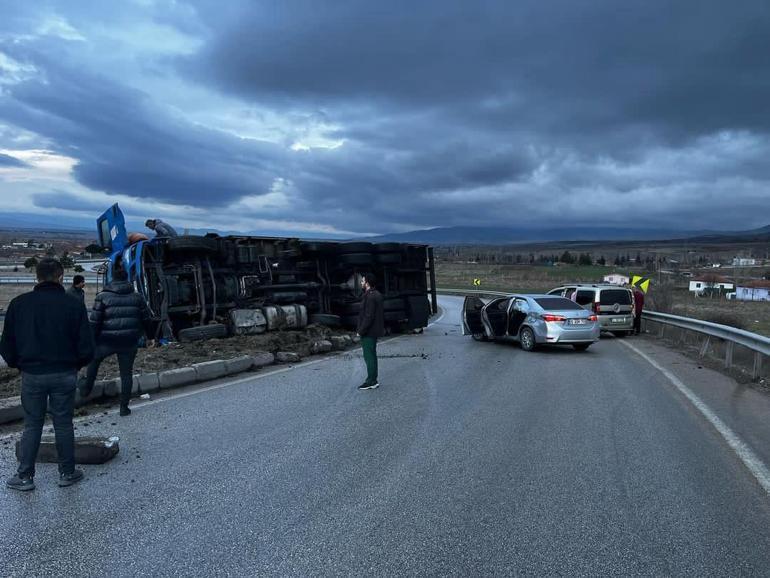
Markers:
<point>557,304</point>
<point>612,296</point>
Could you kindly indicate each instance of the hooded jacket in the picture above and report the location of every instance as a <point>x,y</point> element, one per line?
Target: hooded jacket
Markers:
<point>120,316</point>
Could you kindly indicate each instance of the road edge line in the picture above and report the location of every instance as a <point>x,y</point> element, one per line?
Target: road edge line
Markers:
<point>753,462</point>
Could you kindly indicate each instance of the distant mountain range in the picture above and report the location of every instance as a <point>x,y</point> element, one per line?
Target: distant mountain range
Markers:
<point>437,236</point>
<point>517,235</point>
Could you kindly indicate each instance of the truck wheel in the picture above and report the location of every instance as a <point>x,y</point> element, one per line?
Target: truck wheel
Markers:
<point>348,248</point>
<point>388,258</point>
<point>355,259</point>
<point>387,248</point>
<point>192,243</point>
<point>325,319</point>
<point>215,330</point>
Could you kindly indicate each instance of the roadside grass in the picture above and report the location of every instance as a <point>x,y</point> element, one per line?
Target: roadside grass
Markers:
<point>751,316</point>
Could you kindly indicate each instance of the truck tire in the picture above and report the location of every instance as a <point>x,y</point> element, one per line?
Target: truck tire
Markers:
<point>192,243</point>
<point>215,330</point>
<point>348,248</point>
<point>387,248</point>
<point>394,316</point>
<point>326,319</point>
<point>314,248</point>
<point>355,259</point>
<point>388,258</point>
<point>393,305</point>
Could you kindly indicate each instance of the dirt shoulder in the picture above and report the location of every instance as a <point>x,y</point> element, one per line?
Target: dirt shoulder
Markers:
<point>177,355</point>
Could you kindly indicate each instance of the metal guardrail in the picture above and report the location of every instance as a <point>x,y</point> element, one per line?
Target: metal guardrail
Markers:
<point>759,344</point>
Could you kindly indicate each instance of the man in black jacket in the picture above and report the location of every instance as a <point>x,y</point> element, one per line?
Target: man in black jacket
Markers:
<point>77,289</point>
<point>119,319</point>
<point>371,326</point>
<point>46,335</point>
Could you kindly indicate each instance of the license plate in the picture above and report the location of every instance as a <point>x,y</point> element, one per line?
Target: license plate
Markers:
<point>619,320</point>
<point>578,321</point>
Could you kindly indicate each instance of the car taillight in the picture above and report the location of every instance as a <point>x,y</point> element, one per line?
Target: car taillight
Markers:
<point>593,318</point>
<point>554,318</point>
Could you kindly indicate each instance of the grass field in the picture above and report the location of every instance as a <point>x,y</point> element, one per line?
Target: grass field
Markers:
<point>676,299</point>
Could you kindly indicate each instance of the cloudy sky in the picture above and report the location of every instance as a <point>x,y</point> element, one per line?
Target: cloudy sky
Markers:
<point>359,117</point>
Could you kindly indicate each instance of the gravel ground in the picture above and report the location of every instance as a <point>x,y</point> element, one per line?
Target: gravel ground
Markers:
<point>184,354</point>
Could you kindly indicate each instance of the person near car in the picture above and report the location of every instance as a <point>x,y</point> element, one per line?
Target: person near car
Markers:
<point>47,336</point>
<point>638,308</point>
<point>161,228</point>
<point>371,326</point>
<point>77,289</point>
<point>119,319</point>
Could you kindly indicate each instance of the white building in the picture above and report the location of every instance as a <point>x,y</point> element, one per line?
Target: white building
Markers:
<point>616,279</point>
<point>744,262</point>
<point>754,291</point>
<point>700,285</point>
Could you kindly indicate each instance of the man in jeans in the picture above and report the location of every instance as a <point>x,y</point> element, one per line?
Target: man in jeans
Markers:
<point>371,326</point>
<point>47,336</point>
<point>119,319</point>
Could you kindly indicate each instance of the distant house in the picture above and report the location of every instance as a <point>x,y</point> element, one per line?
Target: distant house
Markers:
<point>616,279</point>
<point>700,285</point>
<point>753,291</point>
<point>744,262</point>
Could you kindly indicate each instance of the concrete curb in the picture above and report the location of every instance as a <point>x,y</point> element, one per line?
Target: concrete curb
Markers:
<point>11,409</point>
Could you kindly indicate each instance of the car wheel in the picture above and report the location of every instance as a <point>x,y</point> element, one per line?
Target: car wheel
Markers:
<point>527,339</point>
<point>479,337</point>
<point>620,334</point>
<point>581,346</point>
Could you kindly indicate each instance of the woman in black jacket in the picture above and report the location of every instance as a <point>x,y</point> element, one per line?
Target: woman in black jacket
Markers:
<point>119,319</point>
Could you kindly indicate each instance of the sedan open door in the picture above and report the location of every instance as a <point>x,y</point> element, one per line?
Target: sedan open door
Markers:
<point>472,323</point>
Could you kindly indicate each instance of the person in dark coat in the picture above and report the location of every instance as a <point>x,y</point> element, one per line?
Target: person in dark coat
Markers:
<point>371,326</point>
<point>161,228</point>
<point>638,308</point>
<point>119,319</point>
<point>77,288</point>
<point>47,336</point>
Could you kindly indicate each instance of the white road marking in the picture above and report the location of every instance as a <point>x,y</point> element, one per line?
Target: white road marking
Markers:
<point>140,404</point>
<point>755,465</point>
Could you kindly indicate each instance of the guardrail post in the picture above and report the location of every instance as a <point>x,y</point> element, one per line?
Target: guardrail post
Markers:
<point>704,349</point>
<point>757,373</point>
<point>729,345</point>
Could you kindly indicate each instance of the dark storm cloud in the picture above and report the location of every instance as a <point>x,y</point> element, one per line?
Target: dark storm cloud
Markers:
<point>562,66</point>
<point>67,201</point>
<point>126,144</point>
<point>447,112</point>
<point>11,162</point>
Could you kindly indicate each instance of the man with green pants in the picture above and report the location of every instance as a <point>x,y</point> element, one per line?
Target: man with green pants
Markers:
<point>371,325</point>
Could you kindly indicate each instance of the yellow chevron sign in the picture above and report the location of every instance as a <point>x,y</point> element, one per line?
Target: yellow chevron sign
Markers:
<point>642,282</point>
<point>477,282</point>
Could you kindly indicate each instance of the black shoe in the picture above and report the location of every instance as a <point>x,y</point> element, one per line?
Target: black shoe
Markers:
<point>69,479</point>
<point>124,411</point>
<point>20,484</point>
<point>368,385</point>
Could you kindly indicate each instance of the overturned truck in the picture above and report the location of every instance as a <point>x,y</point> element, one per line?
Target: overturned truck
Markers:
<point>198,287</point>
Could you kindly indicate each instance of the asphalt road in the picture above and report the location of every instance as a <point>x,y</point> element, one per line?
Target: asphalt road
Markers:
<point>471,459</point>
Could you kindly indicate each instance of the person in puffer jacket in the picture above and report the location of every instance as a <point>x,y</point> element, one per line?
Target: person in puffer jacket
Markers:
<point>118,320</point>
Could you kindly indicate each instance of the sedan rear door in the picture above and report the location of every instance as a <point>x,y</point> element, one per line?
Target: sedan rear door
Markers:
<point>472,324</point>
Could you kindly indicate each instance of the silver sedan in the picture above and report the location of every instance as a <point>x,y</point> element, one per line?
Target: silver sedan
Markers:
<point>531,320</point>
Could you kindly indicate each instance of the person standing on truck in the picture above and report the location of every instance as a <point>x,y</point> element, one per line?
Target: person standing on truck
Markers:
<point>46,335</point>
<point>77,288</point>
<point>638,308</point>
<point>371,326</point>
<point>161,228</point>
<point>119,319</point>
